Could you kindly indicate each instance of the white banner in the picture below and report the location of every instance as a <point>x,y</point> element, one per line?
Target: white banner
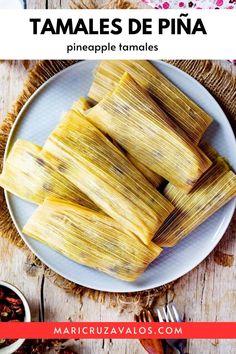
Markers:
<point>117,34</point>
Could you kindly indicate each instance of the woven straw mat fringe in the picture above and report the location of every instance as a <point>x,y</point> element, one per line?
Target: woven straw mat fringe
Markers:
<point>218,81</point>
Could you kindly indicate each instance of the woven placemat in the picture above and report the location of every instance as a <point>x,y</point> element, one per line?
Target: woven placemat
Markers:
<point>218,81</point>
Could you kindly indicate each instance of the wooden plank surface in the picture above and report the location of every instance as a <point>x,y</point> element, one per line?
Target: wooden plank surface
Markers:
<point>207,293</point>
<point>64,4</point>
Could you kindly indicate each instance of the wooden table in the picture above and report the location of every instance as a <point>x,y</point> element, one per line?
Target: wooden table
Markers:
<point>207,293</point>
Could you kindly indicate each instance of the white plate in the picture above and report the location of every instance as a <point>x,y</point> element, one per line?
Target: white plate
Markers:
<point>40,116</point>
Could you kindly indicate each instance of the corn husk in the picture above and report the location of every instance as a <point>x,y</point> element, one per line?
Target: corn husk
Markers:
<point>151,176</point>
<point>185,112</point>
<point>134,120</point>
<point>31,177</point>
<point>81,106</point>
<point>106,176</point>
<point>214,189</point>
<point>90,238</point>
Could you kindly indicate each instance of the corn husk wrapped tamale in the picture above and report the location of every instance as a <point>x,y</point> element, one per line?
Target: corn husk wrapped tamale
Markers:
<point>186,113</point>
<point>106,176</point>
<point>31,177</point>
<point>134,120</point>
<point>215,188</point>
<point>82,105</point>
<point>90,238</point>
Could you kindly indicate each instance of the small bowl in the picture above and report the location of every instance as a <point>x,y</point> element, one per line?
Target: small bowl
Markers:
<point>16,345</point>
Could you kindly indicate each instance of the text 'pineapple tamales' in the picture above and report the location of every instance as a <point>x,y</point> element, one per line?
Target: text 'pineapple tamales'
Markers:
<point>214,189</point>
<point>81,106</point>
<point>186,113</point>
<point>90,238</point>
<point>130,116</point>
<point>106,176</point>
<point>32,178</point>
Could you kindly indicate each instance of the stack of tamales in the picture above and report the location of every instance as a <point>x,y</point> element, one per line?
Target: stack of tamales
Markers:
<point>130,116</point>
<point>96,176</point>
<point>106,176</point>
<point>186,113</point>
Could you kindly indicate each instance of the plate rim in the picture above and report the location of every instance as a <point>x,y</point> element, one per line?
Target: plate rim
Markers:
<point>142,288</point>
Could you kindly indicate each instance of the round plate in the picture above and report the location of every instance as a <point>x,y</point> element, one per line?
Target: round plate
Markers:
<point>40,116</point>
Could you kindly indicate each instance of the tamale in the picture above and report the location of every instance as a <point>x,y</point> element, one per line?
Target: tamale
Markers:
<point>183,110</point>
<point>90,238</point>
<point>31,177</point>
<point>106,176</point>
<point>130,116</point>
<point>215,188</point>
<point>82,105</point>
